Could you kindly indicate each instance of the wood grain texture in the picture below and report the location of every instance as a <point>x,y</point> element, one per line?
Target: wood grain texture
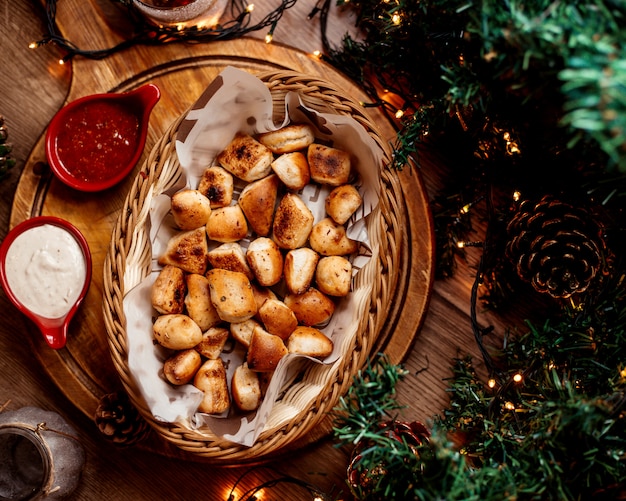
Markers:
<point>34,86</point>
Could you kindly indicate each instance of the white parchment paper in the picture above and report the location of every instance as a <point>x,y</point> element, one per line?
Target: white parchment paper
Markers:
<point>238,101</point>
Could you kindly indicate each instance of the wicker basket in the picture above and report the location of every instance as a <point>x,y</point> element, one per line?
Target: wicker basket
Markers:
<point>129,257</point>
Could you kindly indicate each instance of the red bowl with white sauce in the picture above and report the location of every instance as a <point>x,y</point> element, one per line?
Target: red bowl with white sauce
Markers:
<point>94,142</point>
<point>45,270</point>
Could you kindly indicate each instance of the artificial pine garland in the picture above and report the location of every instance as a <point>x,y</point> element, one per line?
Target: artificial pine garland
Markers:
<point>533,97</point>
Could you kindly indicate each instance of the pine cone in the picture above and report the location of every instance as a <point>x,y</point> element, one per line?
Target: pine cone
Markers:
<point>556,247</point>
<point>119,421</point>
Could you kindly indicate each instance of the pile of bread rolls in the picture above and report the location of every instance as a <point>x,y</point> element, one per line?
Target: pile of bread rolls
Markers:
<point>212,290</point>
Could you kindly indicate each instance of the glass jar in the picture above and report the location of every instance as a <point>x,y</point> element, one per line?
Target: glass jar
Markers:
<point>40,456</point>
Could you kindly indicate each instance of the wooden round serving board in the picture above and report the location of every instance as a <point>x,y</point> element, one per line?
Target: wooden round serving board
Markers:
<point>83,369</point>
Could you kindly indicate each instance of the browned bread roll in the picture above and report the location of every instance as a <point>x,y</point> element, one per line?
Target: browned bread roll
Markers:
<point>258,202</point>
<point>242,331</point>
<point>342,202</point>
<point>198,302</point>
<point>328,165</point>
<point>293,222</point>
<point>230,256</point>
<point>312,307</point>
<point>290,138</point>
<point>309,341</point>
<point>211,379</point>
<point>333,275</point>
<point>330,239</point>
<point>265,351</point>
<point>246,158</point>
<point>168,291</point>
<point>227,224</point>
<point>213,341</point>
<point>188,251</point>
<point>299,269</point>
<point>246,388</point>
<point>217,185</point>
<point>190,209</point>
<point>278,318</point>
<point>293,170</point>
<point>176,331</point>
<point>231,294</point>
<point>265,261</point>
<point>182,366</point>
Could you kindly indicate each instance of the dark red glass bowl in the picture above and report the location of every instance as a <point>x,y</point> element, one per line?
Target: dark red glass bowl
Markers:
<point>54,330</point>
<point>139,102</point>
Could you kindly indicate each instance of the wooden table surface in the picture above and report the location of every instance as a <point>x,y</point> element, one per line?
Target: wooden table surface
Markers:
<point>33,86</point>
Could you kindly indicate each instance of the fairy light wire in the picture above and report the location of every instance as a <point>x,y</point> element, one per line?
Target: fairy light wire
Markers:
<point>147,33</point>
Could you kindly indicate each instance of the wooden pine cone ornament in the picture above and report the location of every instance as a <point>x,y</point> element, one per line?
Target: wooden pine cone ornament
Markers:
<point>555,246</point>
<point>119,421</point>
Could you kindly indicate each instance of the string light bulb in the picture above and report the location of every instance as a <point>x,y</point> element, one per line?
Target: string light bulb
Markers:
<point>518,378</point>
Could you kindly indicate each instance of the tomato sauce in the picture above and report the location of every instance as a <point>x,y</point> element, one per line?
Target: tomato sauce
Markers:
<point>97,140</point>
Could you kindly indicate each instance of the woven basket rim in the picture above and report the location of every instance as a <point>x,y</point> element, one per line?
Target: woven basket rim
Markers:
<point>159,170</point>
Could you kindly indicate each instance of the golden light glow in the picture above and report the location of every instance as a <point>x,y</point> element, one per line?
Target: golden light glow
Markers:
<point>33,45</point>
<point>268,38</point>
<point>250,7</point>
<point>460,245</point>
<point>465,209</point>
<point>491,383</point>
<point>396,19</point>
<point>399,114</point>
<point>516,196</point>
<point>517,378</point>
<point>509,406</point>
<point>317,54</point>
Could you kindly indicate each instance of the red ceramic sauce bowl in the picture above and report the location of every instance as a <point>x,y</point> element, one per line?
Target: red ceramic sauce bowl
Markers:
<point>20,289</point>
<point>94,142</point>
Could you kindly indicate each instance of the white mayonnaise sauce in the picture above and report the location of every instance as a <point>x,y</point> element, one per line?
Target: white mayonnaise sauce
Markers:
<point>46,270</point>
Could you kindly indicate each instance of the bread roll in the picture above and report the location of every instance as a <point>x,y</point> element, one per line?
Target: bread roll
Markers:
<point>310,342</point>
<point>198,302</point>
<point>217,185</point>
<point>242,331</point>
<point>312,307</point>
<point>299,269</point>
<point>328,165</point>
<point>182,366</point>
<point>293,222</point>
<point>176,331</point>
<point>293,170</point>
<point>211,379</point>
<point>330,239</point>
<point>258,202</point>
<point>213,341</point>
<point>333,275</point>
<point>265,261</point>
<point>190,209</point>
<point>188,251</point>
<point>246,158</point>
<point>261,294</point>
<point>292,137</point>
<point>265,351</point>
<point>231,294</point>
<point>278,318</point>
<point>168,291</point>
<point>246,388</point>
<point>342,202</point>
<point>230,256</point>
<point>227,224</point>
